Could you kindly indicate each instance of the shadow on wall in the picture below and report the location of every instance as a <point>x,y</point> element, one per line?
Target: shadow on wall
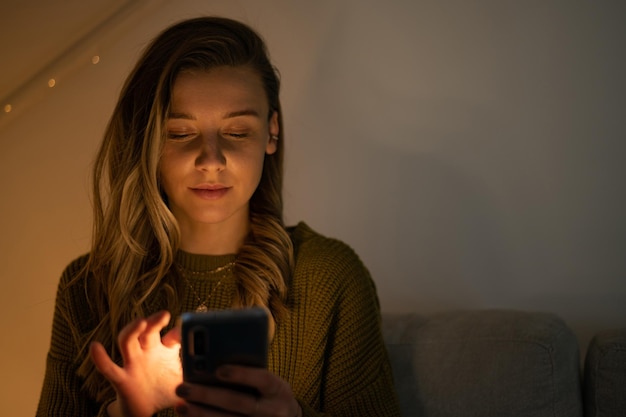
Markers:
<point>438,226</point>
<point>455,174</point>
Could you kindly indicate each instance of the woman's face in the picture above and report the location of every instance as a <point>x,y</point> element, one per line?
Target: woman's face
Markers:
<point>218,133</point>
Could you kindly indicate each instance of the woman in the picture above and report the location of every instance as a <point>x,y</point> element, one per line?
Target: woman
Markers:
<point>188,216</point>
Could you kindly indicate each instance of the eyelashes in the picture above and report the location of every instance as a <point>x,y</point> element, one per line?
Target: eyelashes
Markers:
<point>174,136</point>
<point>178,136</point>
<point>236,135</point>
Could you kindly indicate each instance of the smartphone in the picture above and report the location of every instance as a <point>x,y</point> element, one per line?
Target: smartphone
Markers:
<point>214,338</point>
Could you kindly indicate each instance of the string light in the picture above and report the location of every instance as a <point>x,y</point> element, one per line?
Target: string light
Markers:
<point>51,82</point>
<point>84,50</point>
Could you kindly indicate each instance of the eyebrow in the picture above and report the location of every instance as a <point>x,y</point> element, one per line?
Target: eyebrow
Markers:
<point>238,113</point>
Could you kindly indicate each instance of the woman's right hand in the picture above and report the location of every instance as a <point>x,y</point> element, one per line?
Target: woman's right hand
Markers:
<point>151,370</point>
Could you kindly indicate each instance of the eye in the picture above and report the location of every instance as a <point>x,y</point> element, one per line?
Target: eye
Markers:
<point>236,135</point>
<point>179,135</point>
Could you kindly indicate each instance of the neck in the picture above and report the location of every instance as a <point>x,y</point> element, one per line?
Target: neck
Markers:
<point>214,239</point>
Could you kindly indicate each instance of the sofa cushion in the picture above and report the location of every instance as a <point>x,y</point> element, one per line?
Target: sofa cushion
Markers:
<point>605,375</point>
<point>484,363</point>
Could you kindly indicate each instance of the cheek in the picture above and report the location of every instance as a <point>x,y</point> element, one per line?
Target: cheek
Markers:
<point>248,170</point>
<point>167,172</point>
<point>172,160</point>
<point>164,185</point>
<point>258,163</point>
<point>164,173</point>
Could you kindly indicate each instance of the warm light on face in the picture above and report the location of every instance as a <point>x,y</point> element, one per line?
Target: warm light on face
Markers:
<point>95,59</point>
<point>8,108</point>
<point>52,82</point>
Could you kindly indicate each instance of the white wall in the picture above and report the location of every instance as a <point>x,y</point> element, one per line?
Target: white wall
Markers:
<point>471,152</point>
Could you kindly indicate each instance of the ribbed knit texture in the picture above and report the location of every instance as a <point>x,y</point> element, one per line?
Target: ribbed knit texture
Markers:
<point>330,348</point>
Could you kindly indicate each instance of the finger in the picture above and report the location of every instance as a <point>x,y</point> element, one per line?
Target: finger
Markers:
<point>151,335</point>
<point>194,410</point>
<point>275,393</point>
<point>268,384</point>
<point>172,338</point>
<point>109,369</point>
<point>128,339</point>
<point>218,398</point>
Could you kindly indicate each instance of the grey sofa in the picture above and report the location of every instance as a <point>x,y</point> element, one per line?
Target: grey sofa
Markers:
<point>503,363</point>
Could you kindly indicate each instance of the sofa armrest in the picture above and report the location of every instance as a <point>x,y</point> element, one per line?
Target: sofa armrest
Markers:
<point>484,363</point>
<point>605,375</point>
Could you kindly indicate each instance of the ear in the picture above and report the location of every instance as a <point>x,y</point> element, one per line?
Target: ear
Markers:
<point>274,129</point>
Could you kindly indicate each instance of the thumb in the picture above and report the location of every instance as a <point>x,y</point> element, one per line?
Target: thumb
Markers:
<point>172,337</point>
<point>109,369</point>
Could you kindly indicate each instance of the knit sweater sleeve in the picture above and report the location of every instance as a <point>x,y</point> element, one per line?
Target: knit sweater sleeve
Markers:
<point>62,394</point>
<point>357,379</point>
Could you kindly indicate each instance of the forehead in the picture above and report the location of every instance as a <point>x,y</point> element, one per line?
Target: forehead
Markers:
<point>220,86</point>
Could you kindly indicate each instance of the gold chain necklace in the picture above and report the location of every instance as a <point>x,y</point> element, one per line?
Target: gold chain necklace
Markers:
<point>203,305</point>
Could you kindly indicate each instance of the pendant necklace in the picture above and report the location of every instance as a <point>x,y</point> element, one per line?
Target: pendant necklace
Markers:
<point>203,305</point>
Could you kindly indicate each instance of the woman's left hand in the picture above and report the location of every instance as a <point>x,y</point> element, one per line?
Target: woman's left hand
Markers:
<point>275,396</point>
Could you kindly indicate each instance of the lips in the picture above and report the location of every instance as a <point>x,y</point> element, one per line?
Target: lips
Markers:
<point>210,191</point>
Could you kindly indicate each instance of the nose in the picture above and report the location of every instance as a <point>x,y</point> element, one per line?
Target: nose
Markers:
<point>210,156</point>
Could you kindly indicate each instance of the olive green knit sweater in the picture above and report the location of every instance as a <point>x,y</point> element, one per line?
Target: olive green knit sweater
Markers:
<point>329,349</point>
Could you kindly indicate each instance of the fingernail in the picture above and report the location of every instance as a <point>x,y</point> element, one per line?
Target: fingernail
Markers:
<point>225,371</point>
<point>182,391</point>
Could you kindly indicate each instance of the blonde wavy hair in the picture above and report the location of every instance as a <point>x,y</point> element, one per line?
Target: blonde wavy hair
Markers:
<point>135,236</point>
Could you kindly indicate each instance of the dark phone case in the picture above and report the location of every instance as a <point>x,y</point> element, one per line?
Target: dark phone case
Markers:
<point>214,338</point>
